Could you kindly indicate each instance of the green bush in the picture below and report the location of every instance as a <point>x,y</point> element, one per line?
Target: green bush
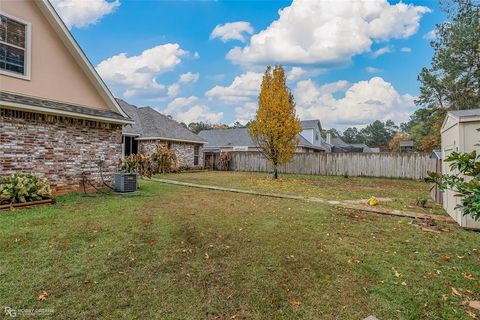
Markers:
<point>23,187</point>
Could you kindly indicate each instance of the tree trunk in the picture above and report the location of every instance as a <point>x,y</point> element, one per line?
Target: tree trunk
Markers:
<point>275,171</point>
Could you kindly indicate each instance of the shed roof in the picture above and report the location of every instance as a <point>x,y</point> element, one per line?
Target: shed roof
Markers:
<point>152,125</point>
<point>466,113</point>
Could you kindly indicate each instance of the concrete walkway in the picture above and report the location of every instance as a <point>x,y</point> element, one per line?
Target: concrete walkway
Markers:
<point>354,205</point>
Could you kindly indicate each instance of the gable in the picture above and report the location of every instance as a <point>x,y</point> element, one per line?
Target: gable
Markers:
<point>56,73</point>
<point>449,122</point>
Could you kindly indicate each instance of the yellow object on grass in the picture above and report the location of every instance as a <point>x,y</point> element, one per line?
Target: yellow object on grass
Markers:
<point>372,201</point>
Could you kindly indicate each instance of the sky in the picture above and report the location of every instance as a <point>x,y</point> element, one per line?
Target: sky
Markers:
<point>347,63</point>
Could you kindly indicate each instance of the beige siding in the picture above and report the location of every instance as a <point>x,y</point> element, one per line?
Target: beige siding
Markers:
<point>458,137</point>
<point>55,74</point>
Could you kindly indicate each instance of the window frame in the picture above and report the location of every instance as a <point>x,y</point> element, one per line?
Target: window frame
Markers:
<point>27,75</point>
<point>196,155</point>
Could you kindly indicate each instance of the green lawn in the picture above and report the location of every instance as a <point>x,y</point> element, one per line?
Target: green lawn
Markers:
<point>404,193</point>
<point>172,252</point>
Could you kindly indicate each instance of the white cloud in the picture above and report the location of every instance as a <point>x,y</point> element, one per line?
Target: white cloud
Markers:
<point>199,113</point>
<point>189,77</point>
<point>232,31</point>
<point>243,88</point>
<point>361,103</point>
<point>136,76</point>
<point>373,70</point>
<point>178,103</point>
<point>185,110</point>
<point>295,73</point>
<point>382,51</point>
<point>313,32</point>
<point>245,112</point>
<point>81,13</point>
<point>430,35</point>
<point>406,49</point>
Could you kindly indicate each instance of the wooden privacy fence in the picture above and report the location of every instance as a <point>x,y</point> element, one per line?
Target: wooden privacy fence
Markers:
<point>388,165</point>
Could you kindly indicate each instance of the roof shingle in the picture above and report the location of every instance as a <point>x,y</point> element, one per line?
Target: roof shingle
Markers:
<point>150,123</point>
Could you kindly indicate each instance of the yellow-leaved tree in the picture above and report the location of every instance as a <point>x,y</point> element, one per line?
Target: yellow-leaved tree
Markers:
<point>276,126</point>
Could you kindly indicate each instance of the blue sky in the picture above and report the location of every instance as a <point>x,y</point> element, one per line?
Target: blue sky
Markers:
<point>348,62</point>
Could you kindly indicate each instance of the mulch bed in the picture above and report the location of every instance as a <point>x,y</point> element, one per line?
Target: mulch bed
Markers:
<point>26,204</point>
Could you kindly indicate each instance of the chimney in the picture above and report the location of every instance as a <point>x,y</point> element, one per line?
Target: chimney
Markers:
<point>329,138</point>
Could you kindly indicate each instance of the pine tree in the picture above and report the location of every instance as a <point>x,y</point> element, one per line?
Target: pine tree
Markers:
<point>276,125</point>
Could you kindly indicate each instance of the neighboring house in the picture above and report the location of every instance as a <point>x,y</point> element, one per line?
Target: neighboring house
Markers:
<point>311,131</point>
<point>338,145</point>
<point>57,117</point>
<point>407,146</point>
<point>459,134</point>
<point>152,128</point>
<point>238,139</point>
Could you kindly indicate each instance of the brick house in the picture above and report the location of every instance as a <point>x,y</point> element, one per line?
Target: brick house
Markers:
<point>152,128</point>
<point>57,117</point>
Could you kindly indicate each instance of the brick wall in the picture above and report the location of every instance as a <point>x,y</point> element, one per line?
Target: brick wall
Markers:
<point>184,151</point>
<point>58,148</point>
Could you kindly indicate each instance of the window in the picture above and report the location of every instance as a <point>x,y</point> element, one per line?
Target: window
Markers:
<point>196,150</point>
<point>130,146</point>
<point>14,47</point>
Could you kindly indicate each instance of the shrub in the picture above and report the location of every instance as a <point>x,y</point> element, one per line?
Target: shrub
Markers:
<point>164,159</point>
<point>23,187</point>
<point>224,160</point>
<point>137,163</point>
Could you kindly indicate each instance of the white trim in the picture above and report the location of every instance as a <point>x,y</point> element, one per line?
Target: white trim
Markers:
<point>25,107</point>
<point>170,139</point>
<point>469,119</point>
<point>57,23</point>
<point>28,50</point>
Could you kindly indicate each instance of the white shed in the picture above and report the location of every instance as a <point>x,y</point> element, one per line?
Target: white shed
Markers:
<point>459,133</point>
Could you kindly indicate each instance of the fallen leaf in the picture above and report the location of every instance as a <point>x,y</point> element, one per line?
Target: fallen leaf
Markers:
<point>472,304</point>
<point>43,296</point>
<point>404,283</point>
<point>445,258</point>
<point>206,255</point>
<point>468,276</point>
<point>455,292</point>
<point>397,274</point>
<point>295,303</point>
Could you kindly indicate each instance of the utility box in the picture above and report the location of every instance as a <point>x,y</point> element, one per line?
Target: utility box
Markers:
<point>125,182</point>
<point>459,134</point>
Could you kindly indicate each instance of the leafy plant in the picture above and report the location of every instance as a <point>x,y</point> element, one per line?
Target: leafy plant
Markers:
<point>164,159</point>
<point>137,163</point>
<point>23,187</point>
<point>466,185</point>
<point>224,160</point>
<point>421,202</point>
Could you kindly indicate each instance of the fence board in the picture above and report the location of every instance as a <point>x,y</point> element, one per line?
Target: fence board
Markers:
<point>388,165</point>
